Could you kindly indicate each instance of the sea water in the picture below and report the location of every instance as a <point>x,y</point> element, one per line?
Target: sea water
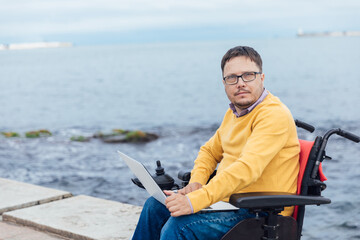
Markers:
<point>174,90</point>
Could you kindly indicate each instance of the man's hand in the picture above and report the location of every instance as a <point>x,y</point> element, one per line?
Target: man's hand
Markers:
<point>190,188</point>
<point>177,204</point>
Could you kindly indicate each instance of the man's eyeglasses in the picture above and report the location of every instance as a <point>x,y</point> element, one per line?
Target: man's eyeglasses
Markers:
<point>246,77</point>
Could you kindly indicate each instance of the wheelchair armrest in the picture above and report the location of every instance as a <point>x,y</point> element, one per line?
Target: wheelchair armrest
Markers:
<point>274,199</point>
<point>184,175</point>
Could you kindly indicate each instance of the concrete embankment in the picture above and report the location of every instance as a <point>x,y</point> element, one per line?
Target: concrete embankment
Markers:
<point>31,212</point>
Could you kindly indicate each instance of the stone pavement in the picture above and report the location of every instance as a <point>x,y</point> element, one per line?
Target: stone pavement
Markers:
<point>80,217</point>
<point>9,231</point>
<point>43,216</point>
<point>16,195</point>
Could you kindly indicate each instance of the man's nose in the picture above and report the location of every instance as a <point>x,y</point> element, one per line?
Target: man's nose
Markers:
<point>240,82</point>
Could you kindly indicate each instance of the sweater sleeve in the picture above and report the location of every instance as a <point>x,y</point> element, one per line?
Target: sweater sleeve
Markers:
<point>269,135</point>
<point>209,156</point>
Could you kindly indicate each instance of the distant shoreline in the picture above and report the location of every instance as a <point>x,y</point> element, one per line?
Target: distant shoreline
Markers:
<point>329,34</point>
<point>21,46</point>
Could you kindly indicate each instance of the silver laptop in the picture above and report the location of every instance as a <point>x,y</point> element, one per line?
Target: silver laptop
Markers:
<point>155,191</point>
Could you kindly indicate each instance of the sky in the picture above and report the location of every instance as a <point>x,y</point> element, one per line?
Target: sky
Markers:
<point>119,21</point>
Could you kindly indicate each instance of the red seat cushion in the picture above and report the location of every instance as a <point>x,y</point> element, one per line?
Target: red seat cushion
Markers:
<point>305,149</point>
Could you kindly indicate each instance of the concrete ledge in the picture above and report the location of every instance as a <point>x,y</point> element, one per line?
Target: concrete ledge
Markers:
<point>9,231</point>
<point>17,195</point>
<point>80,217</point>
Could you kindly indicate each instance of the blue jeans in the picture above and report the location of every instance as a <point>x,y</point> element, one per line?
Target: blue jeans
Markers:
<point>156,223</point>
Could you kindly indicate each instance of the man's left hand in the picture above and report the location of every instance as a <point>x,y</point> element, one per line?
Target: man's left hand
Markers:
<point>177,204</point>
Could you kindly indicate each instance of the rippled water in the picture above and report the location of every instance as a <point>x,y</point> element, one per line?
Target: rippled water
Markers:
<point>175,91</point>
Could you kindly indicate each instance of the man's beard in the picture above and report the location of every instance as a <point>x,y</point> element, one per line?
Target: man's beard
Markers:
<point>243,105</point>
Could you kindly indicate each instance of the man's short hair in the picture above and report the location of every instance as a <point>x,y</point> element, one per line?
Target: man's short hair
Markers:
<point>242,51</point>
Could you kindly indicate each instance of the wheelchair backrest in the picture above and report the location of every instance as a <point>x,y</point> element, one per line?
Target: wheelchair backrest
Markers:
<point>306,185</point>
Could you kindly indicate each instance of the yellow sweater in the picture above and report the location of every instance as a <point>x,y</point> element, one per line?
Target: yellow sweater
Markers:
<point>256,152</point>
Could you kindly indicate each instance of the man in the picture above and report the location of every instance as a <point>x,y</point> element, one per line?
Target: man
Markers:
<point>255,149</point>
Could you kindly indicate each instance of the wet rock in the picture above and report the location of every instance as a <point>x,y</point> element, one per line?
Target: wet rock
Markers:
<point>10,134</point>
<point>123,136</point>
<point>106,135</point>
<point>139,136</point>
<point>120,131</point>
<point>32,134</point>
<point>38,133</point>
<point>114,139</point>
<point>80,139</point>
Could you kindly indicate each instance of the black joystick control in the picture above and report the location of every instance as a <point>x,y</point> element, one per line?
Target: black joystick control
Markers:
<point>164,181</point>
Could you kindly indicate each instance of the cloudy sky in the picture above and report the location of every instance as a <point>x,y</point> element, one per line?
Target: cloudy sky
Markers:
<point>112,21</point>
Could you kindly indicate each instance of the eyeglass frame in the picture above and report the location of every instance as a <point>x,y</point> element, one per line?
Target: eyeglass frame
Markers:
<point>240,76</point>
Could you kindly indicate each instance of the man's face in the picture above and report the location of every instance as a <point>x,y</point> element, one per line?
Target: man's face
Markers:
<point>243,94</point>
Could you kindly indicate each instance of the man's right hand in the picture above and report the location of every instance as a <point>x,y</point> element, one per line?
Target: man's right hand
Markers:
<point>190,188</point>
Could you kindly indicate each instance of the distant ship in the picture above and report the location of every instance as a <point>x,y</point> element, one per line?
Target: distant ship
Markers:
<point>301,33</point>
<point>20,46</point>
